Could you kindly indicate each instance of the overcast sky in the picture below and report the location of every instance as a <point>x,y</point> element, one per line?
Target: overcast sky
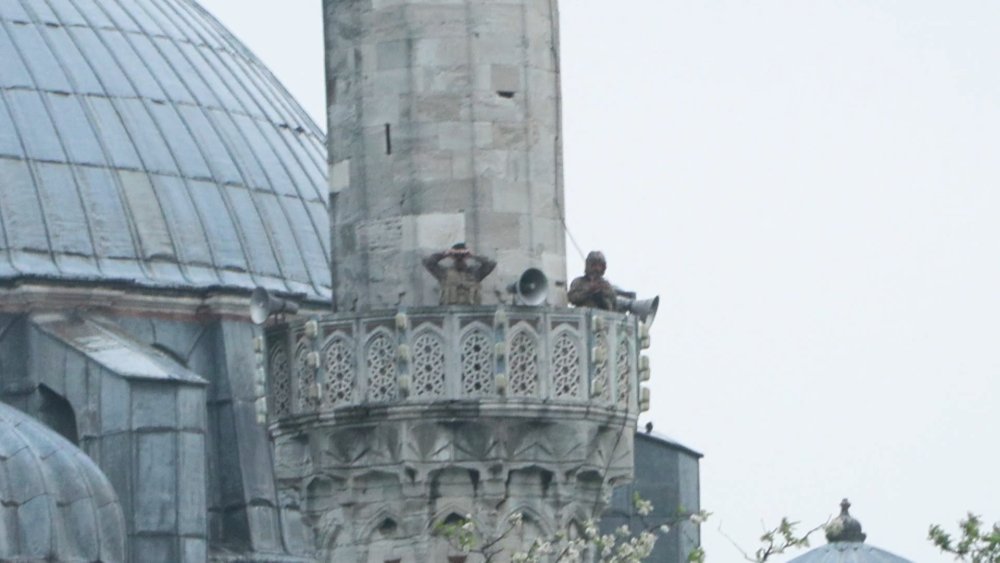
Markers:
<point>813,187</point>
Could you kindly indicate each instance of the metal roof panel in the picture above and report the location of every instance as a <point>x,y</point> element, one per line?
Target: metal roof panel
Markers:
<point>140,142</point>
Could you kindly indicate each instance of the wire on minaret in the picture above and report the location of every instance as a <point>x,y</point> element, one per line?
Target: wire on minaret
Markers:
<point>571,239</point>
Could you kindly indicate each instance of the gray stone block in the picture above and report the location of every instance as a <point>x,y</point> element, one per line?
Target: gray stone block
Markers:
<point>35,531</point>
<point>154,405</point>
<point>498,49</point>
<point>393,54</point>
<point>230,524</point>
<point>191,486</point>
<point>511,197</point>
<point>441,107</point>
<point>8,528</point>
<point>505,78</point>
<point>194,550</point>
<point>294,531</point>
<point>487,17</point>
<point>254,454</point>
<point>154,549</point>
<point>213,473</point>
<point>462,167</point>
<point>57,466</point>
<point>446,20</point>
<point>430,166</point>
<point>81,537</point>
<point>441,52</point>
<point>455,136</point>
<point>264,527</point>
<point>77,383</point>
<point>442,79</point>
<point>240,363</point>
<point>203,360</point>
<point>155,498</point>
<point>191,408</point>
<point>227,459</point>
<point>116,461</point>
<point>10,444</point>
<point>111,533</point>
<point>12,347</point>
<point>22,468</point>
<point>115,403</point>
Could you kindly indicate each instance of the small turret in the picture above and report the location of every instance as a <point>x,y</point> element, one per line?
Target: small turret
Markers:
<point>844,528</point>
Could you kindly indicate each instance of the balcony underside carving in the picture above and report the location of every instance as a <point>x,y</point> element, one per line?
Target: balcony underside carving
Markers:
<point>386,423</point>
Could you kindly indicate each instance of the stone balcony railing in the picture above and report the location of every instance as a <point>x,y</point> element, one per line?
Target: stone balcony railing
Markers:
<point>535,355</point>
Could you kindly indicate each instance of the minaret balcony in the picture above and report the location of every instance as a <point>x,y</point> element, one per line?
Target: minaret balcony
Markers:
<point>487,360</point>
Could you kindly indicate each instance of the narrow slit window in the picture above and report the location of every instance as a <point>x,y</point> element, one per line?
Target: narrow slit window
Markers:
<point>388,139</point>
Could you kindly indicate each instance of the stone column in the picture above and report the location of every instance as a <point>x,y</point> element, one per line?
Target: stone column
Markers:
<point>444,127</point>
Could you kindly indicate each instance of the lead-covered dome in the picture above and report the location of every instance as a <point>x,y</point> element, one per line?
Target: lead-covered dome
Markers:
<point>55,504</point>
<point>140,142</point>
<point>847,544</point>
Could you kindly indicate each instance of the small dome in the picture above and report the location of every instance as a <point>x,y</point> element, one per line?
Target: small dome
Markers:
<point>141,143</point>
<point>847,544</point>
<point>849,553</point>
<point>55,504</point>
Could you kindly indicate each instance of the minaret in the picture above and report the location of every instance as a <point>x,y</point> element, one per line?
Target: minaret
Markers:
<point>397,414</point>
<point>444,127</point>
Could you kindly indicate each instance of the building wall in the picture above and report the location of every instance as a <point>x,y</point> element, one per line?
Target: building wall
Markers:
<point>168,416</point>
<point>444,121</point>
<point>666,474</point>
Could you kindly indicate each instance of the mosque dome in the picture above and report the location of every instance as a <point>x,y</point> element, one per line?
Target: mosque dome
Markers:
<point>847,544</point>
<point>142,144</point>
<point>55,504</point>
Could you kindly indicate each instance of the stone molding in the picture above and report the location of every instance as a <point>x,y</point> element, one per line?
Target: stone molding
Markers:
<point>128,300</point>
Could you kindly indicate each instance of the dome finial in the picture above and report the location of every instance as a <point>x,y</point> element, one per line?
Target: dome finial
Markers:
<point>844,528</point>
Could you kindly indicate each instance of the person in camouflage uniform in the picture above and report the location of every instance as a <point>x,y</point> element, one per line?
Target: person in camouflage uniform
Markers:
<point>460,280</point>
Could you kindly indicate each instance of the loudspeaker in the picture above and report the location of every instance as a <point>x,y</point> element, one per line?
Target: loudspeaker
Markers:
<point>263,305</point>
<point>532,288</point>
<point>645,309</point>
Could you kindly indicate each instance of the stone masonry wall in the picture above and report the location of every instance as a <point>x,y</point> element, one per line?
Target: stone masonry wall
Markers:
<point>444,127</point>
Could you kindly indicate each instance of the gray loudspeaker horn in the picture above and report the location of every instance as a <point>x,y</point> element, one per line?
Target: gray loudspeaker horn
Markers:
<point>532,288</point>
<point>263,305</point>
<point>645,309</point>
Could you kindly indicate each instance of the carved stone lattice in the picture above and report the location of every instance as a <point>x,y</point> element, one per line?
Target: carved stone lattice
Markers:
<point>339,372</point>
<point>281,383</point>
<point>381,356</point>
<point>566,366</point>
<point>602,383</point>
<point>305,375</point>
<point>522,364</point>
<point>477,364</point>
<point>624,367</point>
<point>428,365</point>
